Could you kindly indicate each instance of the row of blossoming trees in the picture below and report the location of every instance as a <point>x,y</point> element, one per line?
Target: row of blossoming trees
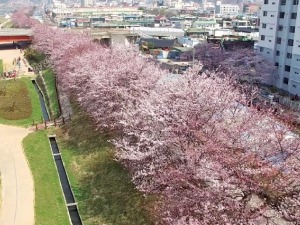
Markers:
<point>187,138</point>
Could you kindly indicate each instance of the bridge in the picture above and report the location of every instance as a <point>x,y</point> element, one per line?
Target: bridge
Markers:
<point>10,35</point>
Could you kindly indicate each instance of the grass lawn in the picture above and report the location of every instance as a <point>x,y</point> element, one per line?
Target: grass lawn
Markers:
<point>49,78</point>
<point>50,207</point>
<point>8,25</point>
<point>102,187</point>
<point>2,19</point>
<point>1,67</point>
<point>19,103</point>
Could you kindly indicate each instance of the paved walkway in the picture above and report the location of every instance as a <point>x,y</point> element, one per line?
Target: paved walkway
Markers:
<point>8,56</point>
<point>17,183</point>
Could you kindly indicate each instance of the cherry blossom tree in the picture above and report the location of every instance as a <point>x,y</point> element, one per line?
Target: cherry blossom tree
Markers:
<point>189,138</point>
<point>85,69</point>
<point>243,64</point>
<point>105,89</point>
<point>249,66</point>
<point>210,56</point>
<point>21,18</point>
<point>208,154</point>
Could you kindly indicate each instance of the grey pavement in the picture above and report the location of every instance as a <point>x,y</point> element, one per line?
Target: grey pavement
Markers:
<point>17,207</point>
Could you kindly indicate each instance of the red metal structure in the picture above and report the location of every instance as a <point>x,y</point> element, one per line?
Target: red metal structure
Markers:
<point>15,38</point>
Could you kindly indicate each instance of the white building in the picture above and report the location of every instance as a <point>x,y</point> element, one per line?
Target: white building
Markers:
<point>279,40</point>
<point>87,3</point>
<point>58,4</point>
<point>227,9</point>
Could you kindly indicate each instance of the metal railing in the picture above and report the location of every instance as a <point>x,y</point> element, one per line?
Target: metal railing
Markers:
<point>295,105</point>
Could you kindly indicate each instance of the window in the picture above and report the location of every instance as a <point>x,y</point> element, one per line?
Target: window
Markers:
<point>262,37</point>
<point>265,13</point>
<point>289,55</point>
<point>261,49</point>
<point>294,16</point>
<point>281,15</point>
<point>264,25</point>
<point>278,40</point>
<point>276,63</point>
<point>280,27</point>
<point>286,80</point>
<point>277,53</point>
<point>282,2</point>
<point>296,2</point>
<point>266,2</point>
<point>287,68</point>
<point>290,42</point>
<point>292,29</point>
<point>273,3</point>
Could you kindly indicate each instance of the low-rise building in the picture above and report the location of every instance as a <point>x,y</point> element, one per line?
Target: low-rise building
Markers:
<point>206,23</point>
<point>83,22</point>
<point>241,24</point>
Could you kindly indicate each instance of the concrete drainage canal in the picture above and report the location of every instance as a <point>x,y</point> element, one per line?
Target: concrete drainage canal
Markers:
<point>42,102</point>
<point>63,177</point>
<point>65,184</point>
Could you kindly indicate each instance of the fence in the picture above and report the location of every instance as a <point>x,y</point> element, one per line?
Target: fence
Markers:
<point>44,124</point>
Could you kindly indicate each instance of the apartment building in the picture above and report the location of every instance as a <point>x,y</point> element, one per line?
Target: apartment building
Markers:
<point>279,40</point>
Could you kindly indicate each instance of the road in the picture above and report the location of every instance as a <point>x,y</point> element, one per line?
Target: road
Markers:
<point>16,180</point>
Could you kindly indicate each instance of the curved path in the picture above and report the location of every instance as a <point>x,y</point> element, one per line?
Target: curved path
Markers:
<point>17,183</point>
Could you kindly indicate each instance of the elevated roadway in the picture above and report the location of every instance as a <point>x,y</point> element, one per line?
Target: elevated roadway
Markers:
<point>8,35</point>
